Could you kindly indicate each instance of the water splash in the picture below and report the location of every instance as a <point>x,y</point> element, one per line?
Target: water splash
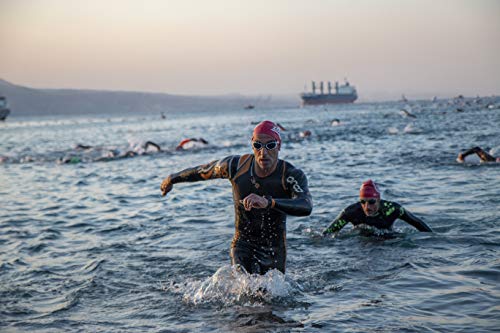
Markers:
<point>229,286</point>
<point>411,129</point>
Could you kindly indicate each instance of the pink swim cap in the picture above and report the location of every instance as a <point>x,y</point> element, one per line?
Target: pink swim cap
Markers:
<point>269,128</point>
<point>369,190</point>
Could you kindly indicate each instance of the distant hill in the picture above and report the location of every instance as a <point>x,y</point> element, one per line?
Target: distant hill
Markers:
<point>26,101</point>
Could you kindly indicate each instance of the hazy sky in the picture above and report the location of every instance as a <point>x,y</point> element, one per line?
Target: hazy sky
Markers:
<point>385,48</point>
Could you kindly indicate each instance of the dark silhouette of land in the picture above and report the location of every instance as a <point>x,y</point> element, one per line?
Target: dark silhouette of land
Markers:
<point>25,101</point>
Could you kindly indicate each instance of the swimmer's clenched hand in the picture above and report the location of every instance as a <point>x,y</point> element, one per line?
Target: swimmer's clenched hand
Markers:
<point>254,201</point>
<point>166,186</point>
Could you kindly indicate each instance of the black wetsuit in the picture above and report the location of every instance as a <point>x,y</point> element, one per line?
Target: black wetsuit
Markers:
<point>483,155</point>
<point>259,242</point>
<point>388,213</point>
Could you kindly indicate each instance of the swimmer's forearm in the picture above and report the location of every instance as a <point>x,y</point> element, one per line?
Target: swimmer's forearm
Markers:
<point>337,224</point>
<point>470,152</point>
<point>416,222</point>
<point>198,173</point>
<point>186,175</point>
<point>422,226</point>
<point>301,206</point>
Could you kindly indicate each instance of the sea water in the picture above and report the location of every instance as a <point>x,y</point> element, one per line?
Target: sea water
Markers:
<point>87,243</point>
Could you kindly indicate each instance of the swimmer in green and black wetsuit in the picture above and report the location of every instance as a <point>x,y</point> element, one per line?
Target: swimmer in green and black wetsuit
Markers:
<point>265,190</point>
<point>371,210</point>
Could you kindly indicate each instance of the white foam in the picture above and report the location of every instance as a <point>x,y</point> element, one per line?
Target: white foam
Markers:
<point>231,286</point>
<point>393,130</point>
<point>410,128</point>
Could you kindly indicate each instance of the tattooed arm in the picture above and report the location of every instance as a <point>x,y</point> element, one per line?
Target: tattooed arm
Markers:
<point>223,168</point>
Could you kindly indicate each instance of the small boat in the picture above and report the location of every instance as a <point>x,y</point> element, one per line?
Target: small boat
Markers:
<point>4,110</point>
<point>343,94</point>
<point>249,107</point>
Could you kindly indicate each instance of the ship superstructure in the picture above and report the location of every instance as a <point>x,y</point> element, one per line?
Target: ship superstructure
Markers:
<point>343,94</point>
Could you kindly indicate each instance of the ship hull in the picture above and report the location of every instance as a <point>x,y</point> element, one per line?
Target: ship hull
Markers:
<point>4,113</point>
<point>327,99</point>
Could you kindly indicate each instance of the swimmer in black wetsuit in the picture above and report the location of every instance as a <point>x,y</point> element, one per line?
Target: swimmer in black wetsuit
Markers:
<point>140,149</point>
<point>265,190</point>
<point>483,155</point>
<point>372,211</point>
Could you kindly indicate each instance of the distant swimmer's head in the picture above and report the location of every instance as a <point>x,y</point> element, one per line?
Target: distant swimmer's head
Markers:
<point>369,197</point>
<point>266,143</point>
<point>305,134</point>
<point>69,160</point>
<point>335,122</point>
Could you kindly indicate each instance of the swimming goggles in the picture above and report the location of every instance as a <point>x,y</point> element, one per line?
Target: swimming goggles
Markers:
<point>269,145</point>
<point>369,201</point>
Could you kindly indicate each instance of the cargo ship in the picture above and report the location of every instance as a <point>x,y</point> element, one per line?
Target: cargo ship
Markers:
<point>343,94</point>
<point>4,110</point>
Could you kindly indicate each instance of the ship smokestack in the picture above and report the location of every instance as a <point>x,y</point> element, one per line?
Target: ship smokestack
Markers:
<point>321,87</point>
<point>314,87</point>
<point>329,88</point>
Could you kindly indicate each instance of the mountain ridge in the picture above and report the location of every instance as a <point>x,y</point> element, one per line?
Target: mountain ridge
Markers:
<point>27,101</point>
